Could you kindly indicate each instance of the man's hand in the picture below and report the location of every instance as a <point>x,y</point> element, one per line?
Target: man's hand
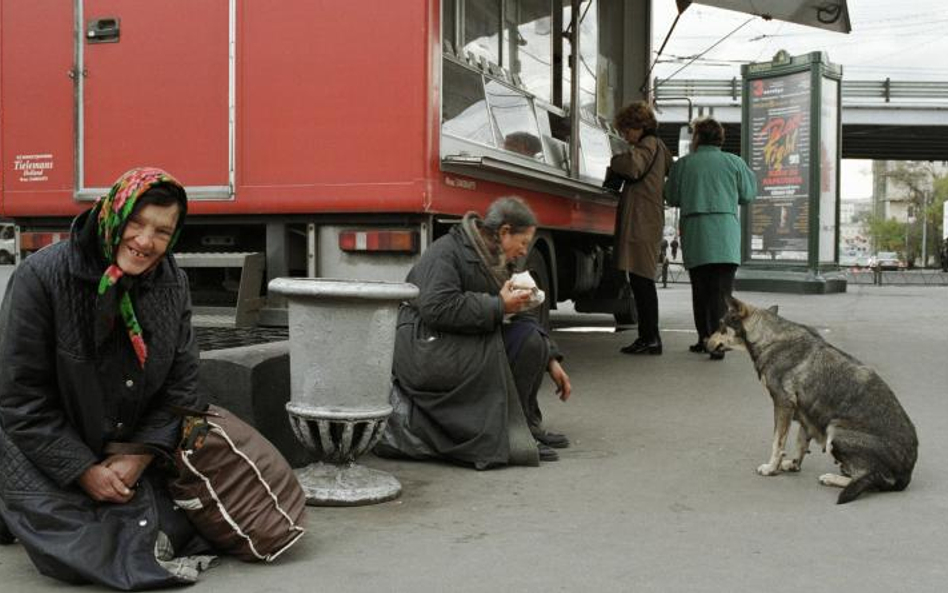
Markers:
<point>514,300</point>
<point>104,485</point>
<point>559,376</point>
<point>128,467</point>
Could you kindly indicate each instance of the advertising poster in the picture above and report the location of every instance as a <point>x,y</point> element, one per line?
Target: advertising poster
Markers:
<point>780,158</point>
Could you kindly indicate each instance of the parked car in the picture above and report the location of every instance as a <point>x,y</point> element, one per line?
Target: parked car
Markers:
<point>6,244</point>
<point>886,260</point>
<point>850,258</point>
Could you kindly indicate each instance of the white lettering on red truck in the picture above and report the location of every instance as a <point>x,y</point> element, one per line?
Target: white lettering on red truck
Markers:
<point>33,167</point>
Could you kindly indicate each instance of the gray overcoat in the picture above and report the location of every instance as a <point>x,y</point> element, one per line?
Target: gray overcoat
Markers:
<point>450,367</point>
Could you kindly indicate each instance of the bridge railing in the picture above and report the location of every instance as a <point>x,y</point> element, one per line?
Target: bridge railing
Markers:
<point>886,91</point>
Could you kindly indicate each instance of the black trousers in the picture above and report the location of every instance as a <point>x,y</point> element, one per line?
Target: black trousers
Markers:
<point>646,306</point>
<point>528,363</point>
<point>710,283</point>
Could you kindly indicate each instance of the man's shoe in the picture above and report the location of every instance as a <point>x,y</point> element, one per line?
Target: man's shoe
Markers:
<point>698,348</point>
<point>546,453</point>
<point>717,354</point>
<point>551,439</point>
<point>642,346</point>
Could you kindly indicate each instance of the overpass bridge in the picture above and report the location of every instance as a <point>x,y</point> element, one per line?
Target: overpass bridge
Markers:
<point>882,119</point>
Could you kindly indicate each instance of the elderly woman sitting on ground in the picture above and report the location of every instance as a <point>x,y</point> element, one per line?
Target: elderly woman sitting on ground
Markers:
<point>95,344</point>
<point>468,360</point>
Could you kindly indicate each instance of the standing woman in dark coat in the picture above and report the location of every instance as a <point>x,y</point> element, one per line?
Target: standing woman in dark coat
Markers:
<point>641,217</point>
<point>465,380</point>
<point>95,339</point>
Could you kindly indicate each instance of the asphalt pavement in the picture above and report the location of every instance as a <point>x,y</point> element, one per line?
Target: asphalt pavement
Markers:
<point>659,490</point>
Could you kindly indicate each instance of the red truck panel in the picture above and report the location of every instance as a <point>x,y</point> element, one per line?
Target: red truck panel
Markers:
<point>159,95</point>
<point>36,119</point>
<point>332,106</point>
<point>337,108</point>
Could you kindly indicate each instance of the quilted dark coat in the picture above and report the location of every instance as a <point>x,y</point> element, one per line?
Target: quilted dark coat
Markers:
<point>62,397</point>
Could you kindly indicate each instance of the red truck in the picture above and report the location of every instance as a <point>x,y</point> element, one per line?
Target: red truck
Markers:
<point>338,139</point>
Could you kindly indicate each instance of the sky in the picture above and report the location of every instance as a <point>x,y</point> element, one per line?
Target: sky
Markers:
<point>903,40</point>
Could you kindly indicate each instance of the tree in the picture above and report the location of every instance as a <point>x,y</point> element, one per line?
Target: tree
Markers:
<point>926,192</point>
<point>887,235</point>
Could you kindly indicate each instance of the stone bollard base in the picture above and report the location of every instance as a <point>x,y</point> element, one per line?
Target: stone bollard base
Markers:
<point>351,484</point>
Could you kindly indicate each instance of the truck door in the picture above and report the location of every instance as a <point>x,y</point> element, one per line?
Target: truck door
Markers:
<point>155,87</point>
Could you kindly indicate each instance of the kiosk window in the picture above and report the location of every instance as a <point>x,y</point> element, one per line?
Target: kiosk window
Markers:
<point>588,58</point>
<point>482,29</point>
<point>619,145</point>
<point>528,44</point>
<point>515,120</point>
<point>596,150</point>
<point>463,107</point>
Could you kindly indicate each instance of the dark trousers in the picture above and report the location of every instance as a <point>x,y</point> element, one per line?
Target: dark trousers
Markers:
<point>528,354</point>
<point>710,283</point>
<point>646,306</point>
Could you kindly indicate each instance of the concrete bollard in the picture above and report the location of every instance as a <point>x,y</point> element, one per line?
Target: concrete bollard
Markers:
<point>253,382</point>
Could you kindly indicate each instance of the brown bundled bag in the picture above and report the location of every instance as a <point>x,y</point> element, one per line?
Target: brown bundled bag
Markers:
<point>236,488</point>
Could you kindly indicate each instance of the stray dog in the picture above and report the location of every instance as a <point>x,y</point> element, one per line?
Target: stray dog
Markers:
<point>836,400</point>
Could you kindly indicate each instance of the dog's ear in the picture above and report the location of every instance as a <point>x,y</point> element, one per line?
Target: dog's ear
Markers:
<point>732,303</point>
<point>773,309</point>
<point>742,309</point>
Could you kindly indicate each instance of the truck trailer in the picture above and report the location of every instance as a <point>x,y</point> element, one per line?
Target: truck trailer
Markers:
<point>327,139</point>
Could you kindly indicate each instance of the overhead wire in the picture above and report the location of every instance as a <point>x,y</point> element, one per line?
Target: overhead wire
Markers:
<point>696,57</point>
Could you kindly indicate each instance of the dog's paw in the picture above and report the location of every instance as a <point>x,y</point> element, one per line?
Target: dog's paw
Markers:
<point>790,465</point>
<point>768,469</point>
<point>835,480</point>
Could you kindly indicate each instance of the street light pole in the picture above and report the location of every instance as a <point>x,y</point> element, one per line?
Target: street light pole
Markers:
<point>924,229</point>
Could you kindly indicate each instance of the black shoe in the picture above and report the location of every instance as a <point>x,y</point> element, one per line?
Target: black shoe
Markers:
<point>546,453</point>
<point>642,346</point>
<point>6,538</point>
<point>716,354</point>
<point>551,439</point>
<point>698,348</point>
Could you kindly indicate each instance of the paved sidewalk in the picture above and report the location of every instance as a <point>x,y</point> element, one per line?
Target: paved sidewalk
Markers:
<point>659,491</point>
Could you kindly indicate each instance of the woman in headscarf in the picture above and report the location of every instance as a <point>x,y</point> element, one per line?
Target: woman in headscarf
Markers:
<point>95,341</point>
<point>466,381</point>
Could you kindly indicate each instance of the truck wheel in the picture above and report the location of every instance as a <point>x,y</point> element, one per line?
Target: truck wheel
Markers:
<point>6,258</point>
<point>536,265</point>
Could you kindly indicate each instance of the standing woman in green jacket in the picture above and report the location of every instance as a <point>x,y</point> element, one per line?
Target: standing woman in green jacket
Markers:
<point>708,185</point>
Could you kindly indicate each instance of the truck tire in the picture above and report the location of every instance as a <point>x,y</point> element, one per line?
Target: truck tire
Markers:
<point>536,265</point>
<point>6,258</point>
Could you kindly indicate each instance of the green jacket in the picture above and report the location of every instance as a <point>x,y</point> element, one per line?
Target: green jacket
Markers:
<point>707,185</point>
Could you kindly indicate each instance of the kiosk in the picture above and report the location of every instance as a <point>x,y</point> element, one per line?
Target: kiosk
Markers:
<point>791,134</point>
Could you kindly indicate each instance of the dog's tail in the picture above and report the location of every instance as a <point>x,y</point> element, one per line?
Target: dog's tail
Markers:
<point>861,484</point>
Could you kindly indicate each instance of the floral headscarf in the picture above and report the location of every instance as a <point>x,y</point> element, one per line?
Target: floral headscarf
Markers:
<point>112,212</point>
